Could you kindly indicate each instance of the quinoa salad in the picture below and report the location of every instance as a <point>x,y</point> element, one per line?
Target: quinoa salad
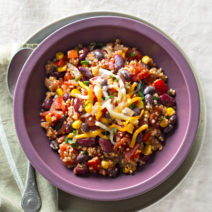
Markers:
<point>107,108</point>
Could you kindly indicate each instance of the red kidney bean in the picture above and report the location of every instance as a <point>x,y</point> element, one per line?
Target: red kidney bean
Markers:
<point>58,74</point>
<point>83,55</point>
<point>90,121</point>
<point>167,100</point>
<point>125,74</point>
<point>77,104</point>
<point>85,142</point>
<point>66,97</point>
<point>168,129</point>
<point>47,103</point>
<point>149,99</point>
<point>119,62</point>
<point>81,158</point>
<point>105,145</point>
<point>69,127</point>
<point>54,145</point>
<point>99,54</point>
<point>173,119</point>
<point>149,90</point>
<point>84,127</point>
<point>80,169</point>
<point>137,111</point>
<point>85,72</point>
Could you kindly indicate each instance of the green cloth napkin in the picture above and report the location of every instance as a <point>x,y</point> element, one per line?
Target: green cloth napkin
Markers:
<point>13,162</point>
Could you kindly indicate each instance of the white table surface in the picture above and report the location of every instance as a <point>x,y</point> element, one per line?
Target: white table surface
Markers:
<point>188,22</point>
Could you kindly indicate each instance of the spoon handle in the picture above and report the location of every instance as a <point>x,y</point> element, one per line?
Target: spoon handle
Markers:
<point>31,201</point>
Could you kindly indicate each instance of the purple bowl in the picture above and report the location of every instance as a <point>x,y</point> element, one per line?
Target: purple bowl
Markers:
<point>30,92</point>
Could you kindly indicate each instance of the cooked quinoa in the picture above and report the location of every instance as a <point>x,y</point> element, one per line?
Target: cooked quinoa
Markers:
<point>107,108</point>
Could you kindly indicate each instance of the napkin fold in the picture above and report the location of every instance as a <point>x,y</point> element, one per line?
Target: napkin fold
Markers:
<point>13,162</point>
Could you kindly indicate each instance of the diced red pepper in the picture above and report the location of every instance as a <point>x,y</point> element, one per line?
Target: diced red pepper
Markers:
<point>131,153</point>
<point>72,54</point>
<point>133,55</point>
<point>94,163</point>
<point>160,86</point>
<point>61,62</point>
<point>58,104</point>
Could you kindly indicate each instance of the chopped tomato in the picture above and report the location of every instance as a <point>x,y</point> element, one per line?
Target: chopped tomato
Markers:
<point>62,61</point>
<point>145,137</point>
<point>138,72</point>
<point>133,55</point>
<point>67,76</point>
<point>59,104</point>
<point>94,163</point>
<point>160,86</point>
<point>56,114</point>
<point>72,54</point>
<point>131,153</point>
<point>63,148</point>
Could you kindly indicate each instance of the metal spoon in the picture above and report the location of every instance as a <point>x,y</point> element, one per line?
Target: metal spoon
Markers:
<point>31,201</point>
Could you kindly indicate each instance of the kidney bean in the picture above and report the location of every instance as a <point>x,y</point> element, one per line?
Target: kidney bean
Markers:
<point>54,145</point>
<point>106,145</point>
<point>69,127</point>
<point>80,169</point>
<point>58,74</point>
<point>85,72</point>
<point>149,90</point>
<point>167,100</point>
<point>84,127</point>
<point>149,99</point>
<point>85,142</point>
<point>125,74</point>
<point>77,104</point>
<point>66,97</point>
<point>90,121</point>
<point>119,62</point>
<point>47,103</point>
<point>59,123</point>
<point>99,54</point>
<point>137,111</point>
<point>83,55</point>
<point>173,119</point>
<point>168,129</point>
<point>81,158</point>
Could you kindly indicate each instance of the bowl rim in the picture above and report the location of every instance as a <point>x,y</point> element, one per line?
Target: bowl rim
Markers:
<point>117,194</point>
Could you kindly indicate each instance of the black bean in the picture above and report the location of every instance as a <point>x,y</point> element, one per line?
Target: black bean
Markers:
<point>106,145</point>
<point>48,103</point>
<point>149,99</point>
<point>83,55</point>
<point>168,129</point>
<point>54,145</point>
<point>66,97</point>
<point>149,90</point>
<point>99,54</point>
<point>84,127</point>
<point>86,142</point>
<point>167,100</point>
<point>173,119</point>
<point>80,169</point>
<point>137,111</point>
<point>125,74</point>
<point>69,127</point>
<point>81,158</point>
<point>119,62</point>
<point>85,72</point>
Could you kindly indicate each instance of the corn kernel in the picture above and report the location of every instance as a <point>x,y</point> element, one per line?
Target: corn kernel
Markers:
<point>48,118</point>
<point>88,106</point>
<point>140,105</point>
<point>104,164</point>
<point>70,135</point>
<point>95,71</point>
<point>164,123</point>
<point>75,91</point>
<point>147,60</point>
<point>59,55</point>
<point>59,92</point>
<point>62,69</point>
<point>170,111</point>
<point>105,120</point>
<point>77,124</point>
<point>147,150</point>
<point>126,170</point>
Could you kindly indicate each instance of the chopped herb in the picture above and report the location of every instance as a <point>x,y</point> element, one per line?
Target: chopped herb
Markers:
<point>67,139</point>
<point>55,96</point>
<point>132,106</point>
<point>127,84</point>
<point>103,98</point>
<point>114,130</point>
<point>73,143</point>
<point>111,97</point>
<point>86,83</point>
<point>142,98</point>
<point>119,162</point>
<point>83,152</point>
<point>77,79</point>
<point>155,98</point>
<point>74,132</point>
<point>132,54</point>
<point>116,80</point>
<point>161,119</point>
<point>140,93</point>
<point>142,86</point>
<point>85,62</point>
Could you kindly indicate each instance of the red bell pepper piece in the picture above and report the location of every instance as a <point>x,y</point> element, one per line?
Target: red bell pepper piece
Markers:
<point>160,86</point>
<point>94,163</point>
<point>62,61</point>
<point>58,104</point>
